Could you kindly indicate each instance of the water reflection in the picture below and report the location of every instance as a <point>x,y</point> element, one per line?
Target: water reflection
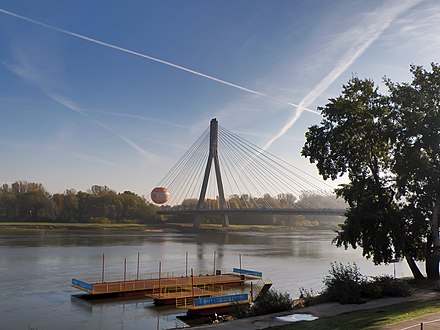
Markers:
<point>78,238</point>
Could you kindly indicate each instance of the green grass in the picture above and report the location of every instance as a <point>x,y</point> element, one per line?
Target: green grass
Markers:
<point>219,227</point>
<point>369,319</point>
<point>239,227</point>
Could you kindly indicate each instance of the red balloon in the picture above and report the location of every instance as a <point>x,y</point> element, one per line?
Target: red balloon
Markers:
<point>160,195</point>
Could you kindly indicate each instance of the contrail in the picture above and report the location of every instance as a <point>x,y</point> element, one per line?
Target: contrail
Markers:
<point>350,57</point>
<point>151,58</point>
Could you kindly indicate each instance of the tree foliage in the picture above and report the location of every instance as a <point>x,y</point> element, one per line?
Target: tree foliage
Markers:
<point>417,157</point>
<point>28,201</point>
<point>388,148</point>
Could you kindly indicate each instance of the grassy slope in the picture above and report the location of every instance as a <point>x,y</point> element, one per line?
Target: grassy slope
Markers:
<point>369,319</point>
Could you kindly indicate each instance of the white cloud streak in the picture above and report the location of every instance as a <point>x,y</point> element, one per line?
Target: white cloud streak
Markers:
<point>151,58</point>
<point>381,20</point>
<point>419,30</point>
<point>93,159</point>
<point>127,115</point>
<point>67,103</point>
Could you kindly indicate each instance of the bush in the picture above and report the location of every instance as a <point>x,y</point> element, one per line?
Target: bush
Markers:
<point>370,290</point>
<point>101,220</point>
<point>271,302</point>
<point>310,298</point>
<point>348,286</point>
<point>241,311</point>
<point>345,284</point>
<point>392,287</point>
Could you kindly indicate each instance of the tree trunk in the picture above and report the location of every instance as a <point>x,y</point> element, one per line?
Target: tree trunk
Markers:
<point>433,258</point>
<point>431,265</point>
<point>414,268</point>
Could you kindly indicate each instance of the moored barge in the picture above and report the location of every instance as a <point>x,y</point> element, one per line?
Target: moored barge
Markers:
<point>140,287</point>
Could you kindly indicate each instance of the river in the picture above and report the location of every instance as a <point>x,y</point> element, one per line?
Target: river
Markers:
<point>36,268</point>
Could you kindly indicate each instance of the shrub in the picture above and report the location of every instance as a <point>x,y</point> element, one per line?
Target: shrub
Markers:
<point>348,286</point>
<point>370,290</point>
<point>392,287</point>
<point>241,311</point>
<point>310,298</point>
<point>271,302</point>
<point>101,220</point>
<point>345,284</point>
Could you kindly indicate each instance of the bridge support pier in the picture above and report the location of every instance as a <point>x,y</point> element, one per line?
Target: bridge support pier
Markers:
<point>197,220</point>
<point>225,220</point>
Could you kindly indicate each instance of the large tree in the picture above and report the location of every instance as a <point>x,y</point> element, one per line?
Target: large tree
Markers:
<point>388,148</point>
<point>416,113</point>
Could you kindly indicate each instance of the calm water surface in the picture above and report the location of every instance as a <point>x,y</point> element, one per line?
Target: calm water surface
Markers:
<point>36,269</point>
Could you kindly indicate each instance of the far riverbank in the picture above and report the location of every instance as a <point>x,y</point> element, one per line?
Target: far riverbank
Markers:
<point>9,226</point>
<point>5,226</point>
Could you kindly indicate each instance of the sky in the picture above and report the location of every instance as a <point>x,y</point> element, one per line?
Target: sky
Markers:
<point>114,92</point>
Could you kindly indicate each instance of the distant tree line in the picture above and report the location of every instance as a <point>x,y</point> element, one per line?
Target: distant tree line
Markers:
<point>29,201</point>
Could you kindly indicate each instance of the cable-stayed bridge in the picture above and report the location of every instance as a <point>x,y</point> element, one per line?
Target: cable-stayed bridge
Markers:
<point>223,174</point>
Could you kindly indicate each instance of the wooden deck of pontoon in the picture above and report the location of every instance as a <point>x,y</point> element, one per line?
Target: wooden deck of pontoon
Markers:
<point>147,285</point>
<point>187,294</point>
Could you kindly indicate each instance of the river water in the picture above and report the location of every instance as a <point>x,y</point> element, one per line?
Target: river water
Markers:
<point>36,269</point>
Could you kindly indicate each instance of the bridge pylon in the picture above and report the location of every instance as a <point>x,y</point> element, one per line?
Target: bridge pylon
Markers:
<point>212,157</point>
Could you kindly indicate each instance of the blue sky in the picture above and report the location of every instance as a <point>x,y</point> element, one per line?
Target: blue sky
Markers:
<point>114,92</point>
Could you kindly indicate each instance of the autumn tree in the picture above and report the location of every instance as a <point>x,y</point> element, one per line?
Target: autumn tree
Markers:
<point>30,201</point>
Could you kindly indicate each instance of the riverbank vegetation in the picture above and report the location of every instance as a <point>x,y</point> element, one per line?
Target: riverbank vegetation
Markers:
<point>388,147</point>
<point>26,201</point>
<point>61,226</point>
<point>269,302</point>
<point>345,284</point>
